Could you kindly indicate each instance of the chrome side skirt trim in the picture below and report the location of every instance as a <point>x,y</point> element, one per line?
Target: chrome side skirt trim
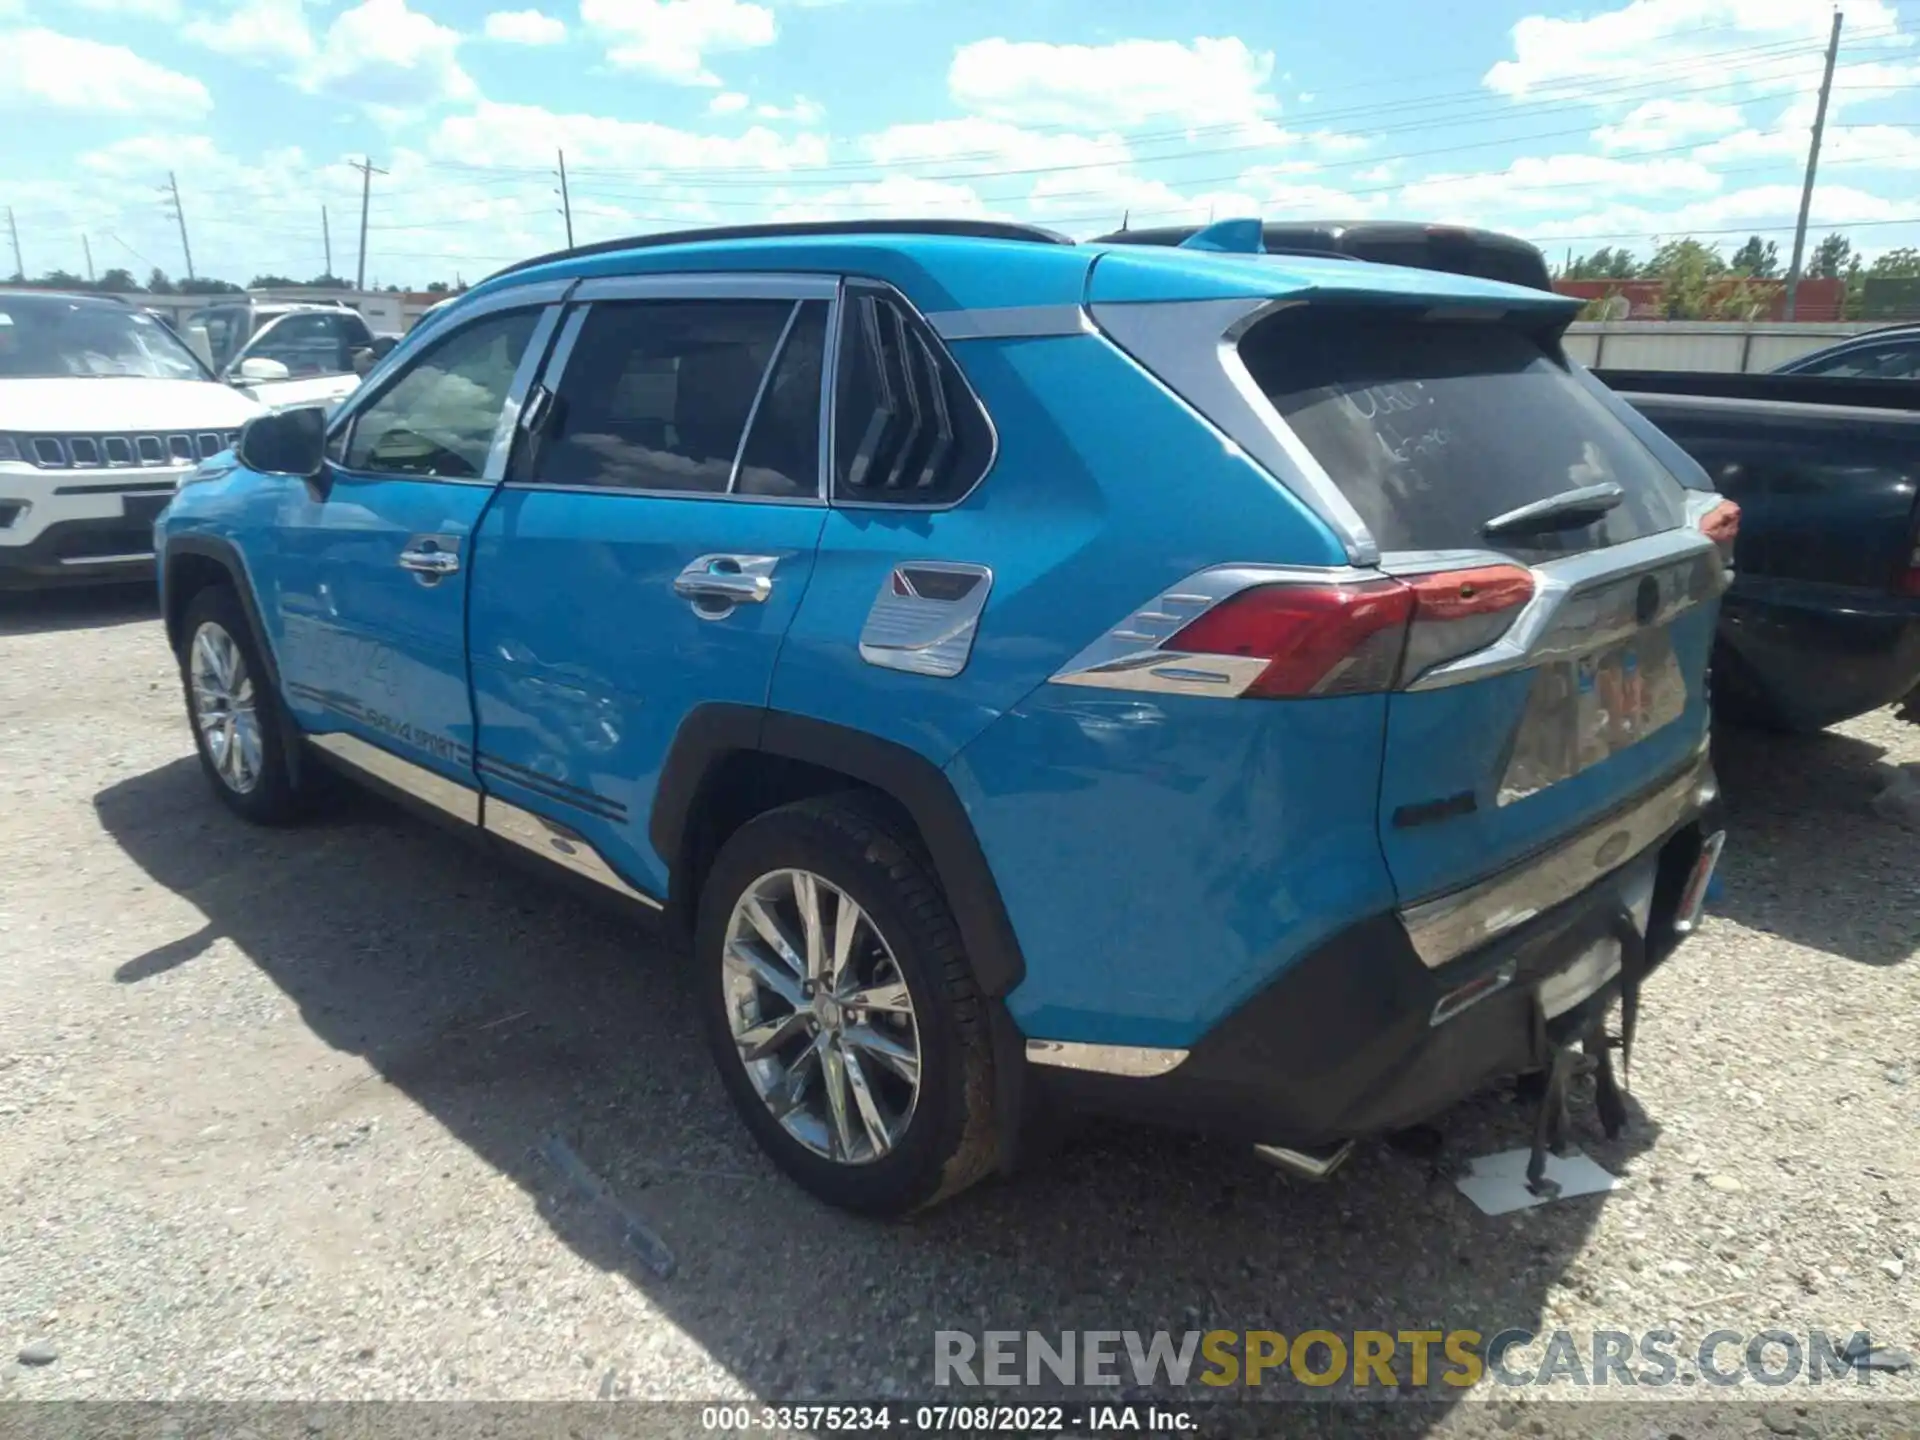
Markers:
<point>460,801</point>
<point>553,841</point>
<point>1136,1062</point>
<point>1010,322</point>
<point>1451,925</point>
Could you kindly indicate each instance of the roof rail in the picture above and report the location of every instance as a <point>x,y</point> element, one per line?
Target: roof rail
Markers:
<point>969,229</point>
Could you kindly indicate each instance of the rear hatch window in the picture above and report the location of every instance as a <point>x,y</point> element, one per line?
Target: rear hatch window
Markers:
<point>1433,428</point>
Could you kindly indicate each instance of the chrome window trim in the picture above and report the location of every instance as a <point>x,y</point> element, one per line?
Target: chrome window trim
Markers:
<point>830,386</point>
<point>808,502</point>
<point>428,786</point>
<point>1448,926</point>
<point>1192,347</point>
<point>1136,1062</point>
<point>941,353</point>
<point>384,375</point>
<point>708,285</point>
<point>1010,322</point>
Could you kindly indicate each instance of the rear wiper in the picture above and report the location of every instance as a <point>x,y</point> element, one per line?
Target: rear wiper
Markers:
<point>1565,511</point>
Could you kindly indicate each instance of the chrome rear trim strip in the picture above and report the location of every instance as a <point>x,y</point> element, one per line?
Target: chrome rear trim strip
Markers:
<point>457,800</point>
<point>1450,925</point>
<point>132,557</point>
<point>553,841</point>
<point>1010,322</point>
<point>1136,1062</point>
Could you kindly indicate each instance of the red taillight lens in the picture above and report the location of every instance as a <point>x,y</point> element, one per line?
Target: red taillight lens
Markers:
<point>1721,525</point>
<point>1358,638</point>
<point>1909,581</point>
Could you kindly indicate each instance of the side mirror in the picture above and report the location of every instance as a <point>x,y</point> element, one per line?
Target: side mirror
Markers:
<point>364,360</point>
<point>259,367</point>
<point>289,442</point>
<point>201,343</point>
<point>383,345</point>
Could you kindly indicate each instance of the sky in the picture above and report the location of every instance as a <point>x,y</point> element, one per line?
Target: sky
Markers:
<point>1575,125</point>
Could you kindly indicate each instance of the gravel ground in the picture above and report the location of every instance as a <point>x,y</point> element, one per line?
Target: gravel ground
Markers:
<point>274,1107</point>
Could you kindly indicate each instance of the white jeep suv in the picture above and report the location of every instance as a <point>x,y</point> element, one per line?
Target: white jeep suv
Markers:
<point>102,410</point>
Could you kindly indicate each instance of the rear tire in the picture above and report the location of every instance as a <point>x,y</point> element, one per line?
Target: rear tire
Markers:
<point>795,1013</point>
<point>240,730</point>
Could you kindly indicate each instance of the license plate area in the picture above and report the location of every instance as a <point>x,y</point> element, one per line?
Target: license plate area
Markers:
<point>1584,709</point>
<point>144,509</point>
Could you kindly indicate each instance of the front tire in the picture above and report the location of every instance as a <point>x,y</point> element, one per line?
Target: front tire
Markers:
<point>239,729</point>
<point>841,1010</point>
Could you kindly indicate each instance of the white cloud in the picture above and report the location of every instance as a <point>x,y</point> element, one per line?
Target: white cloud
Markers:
<point>139,9</point>
<point>670,39</point>
<point>525,27</point>
<point>528,135</point>
<point>1209,81</point>
<point>1686,41</point>
<point>1537,183</point>
<point>382,53</point>
<point>1661,123</point>
<point>42,70</point>
<point>727,102</point>
<point>263,30</point>
<point>801,112</point>
<point>379,52</point>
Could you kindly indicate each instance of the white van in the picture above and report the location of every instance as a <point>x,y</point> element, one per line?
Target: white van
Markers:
<point>102,410</point>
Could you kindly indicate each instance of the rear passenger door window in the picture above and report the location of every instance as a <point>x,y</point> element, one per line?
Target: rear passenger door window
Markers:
<point>907,429</point>
<point>657,396</point>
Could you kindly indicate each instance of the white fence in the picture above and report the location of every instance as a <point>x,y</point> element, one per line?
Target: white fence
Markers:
<point>1737,346</point>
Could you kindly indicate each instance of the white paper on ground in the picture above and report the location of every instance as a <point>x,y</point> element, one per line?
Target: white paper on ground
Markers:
<point>1498,1183</point>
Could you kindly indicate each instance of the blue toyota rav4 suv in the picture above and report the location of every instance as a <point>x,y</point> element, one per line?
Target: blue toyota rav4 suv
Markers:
<point>1256,692</point>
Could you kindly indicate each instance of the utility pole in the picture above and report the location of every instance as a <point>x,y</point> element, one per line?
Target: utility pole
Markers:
<point>1813,164</point>
<point>181,215</point>
<point>19,265</point>
<point>87,246</point>
<point>367,171</point>
<point>566,204</point>
<point>326,241</point>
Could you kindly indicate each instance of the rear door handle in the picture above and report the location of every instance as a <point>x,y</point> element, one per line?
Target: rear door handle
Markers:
<point>431,557</point>
<point>717,583</point>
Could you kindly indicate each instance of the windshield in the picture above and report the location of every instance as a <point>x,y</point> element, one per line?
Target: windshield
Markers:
<point>47,337</point>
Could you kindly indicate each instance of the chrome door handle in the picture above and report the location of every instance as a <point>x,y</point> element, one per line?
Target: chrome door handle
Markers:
<point>717,583</point>
<point>435,563</point>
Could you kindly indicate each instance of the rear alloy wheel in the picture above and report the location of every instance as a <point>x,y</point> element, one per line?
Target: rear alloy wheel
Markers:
<point>821,1016</point>
<point>841,1009</point>
<point>239,729</point>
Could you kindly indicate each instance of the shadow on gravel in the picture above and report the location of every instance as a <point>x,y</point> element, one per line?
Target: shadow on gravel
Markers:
<point>44,612</point>
<point>1807,859</point>
<point>509,1011</point>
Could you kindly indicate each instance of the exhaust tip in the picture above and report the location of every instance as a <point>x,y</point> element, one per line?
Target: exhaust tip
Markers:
<point>1315,1164</point>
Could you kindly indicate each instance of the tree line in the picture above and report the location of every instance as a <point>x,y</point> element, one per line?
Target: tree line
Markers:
<point>119,281</point>
<point>1702,284</point>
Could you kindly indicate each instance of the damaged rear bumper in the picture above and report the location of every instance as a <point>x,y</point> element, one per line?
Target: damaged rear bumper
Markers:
<point>1402,1015</point>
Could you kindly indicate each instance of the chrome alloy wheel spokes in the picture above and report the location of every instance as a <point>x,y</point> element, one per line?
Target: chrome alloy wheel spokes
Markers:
<point>821,1016</point>
<point>223,707</point>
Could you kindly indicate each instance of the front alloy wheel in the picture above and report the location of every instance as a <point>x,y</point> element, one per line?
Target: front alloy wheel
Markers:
<point>821,1016</point>
<point>222,697</point>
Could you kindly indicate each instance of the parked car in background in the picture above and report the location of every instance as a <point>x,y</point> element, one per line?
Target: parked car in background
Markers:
<point>288,353</point>
<point>1889,354</point>
<point>1823,620</point>
<point>879,602</point>
<point>102,410</point>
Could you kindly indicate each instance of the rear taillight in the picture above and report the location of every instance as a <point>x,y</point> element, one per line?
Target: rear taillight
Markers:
<point>1366,636</point>
<point>1721,525</point>
<point>1908,582</point>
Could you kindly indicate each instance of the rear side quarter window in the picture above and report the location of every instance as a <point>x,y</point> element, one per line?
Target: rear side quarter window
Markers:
<point>907,428</point>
